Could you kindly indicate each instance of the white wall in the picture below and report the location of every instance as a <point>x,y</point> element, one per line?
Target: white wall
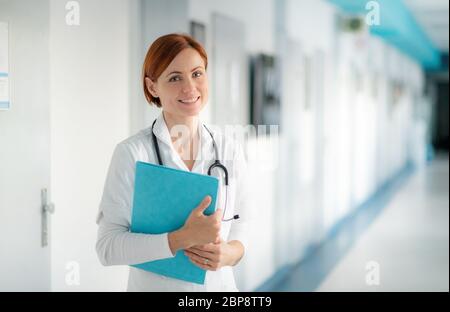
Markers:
<point>89,116</point>
<point>257,16</point>
<point>311,26</point>
<point>25,148</point>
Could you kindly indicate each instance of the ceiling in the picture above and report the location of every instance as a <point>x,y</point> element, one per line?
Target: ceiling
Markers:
<point>418,28</point>
<point>432,16</point>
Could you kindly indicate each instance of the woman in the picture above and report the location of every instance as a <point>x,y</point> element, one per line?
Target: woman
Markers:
<point>175,79</point>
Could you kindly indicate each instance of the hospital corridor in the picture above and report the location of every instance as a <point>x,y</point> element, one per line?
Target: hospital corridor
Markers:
<point>407,241</point>
<point>212,146</point>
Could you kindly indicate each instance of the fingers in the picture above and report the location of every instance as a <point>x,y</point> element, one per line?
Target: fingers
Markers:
<point>200,262</point>
<point>218,214</point>
<point>216,217</point>
<point>212,248</point>
<point>197,257</point>
<point>201,253</point>
<point>203,205</point>
<point>216,220</point>
<point>200,265</point>
<point>201,249</point>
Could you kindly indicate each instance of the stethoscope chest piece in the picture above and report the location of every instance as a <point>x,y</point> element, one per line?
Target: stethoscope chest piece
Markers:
<point>215,165</point>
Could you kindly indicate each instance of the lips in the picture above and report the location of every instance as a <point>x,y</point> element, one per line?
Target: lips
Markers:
<point>189,101</point>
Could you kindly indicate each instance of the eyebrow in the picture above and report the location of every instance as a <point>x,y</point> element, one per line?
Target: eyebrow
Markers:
<point>177,72</point>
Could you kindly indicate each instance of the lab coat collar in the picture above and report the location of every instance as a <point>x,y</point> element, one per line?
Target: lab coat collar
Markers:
<point>161,131</point>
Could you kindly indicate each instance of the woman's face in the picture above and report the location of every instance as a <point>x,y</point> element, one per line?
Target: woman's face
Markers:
<point>183,87</point>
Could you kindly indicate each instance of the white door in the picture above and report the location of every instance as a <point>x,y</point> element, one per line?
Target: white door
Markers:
<point>230,72</point>
<point>25,149</point>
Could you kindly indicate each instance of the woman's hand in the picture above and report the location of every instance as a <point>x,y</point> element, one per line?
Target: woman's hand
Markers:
<point>213,256</point>
<point>198,228</point>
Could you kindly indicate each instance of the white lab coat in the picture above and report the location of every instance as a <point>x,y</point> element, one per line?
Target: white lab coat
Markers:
<point>117,246</point>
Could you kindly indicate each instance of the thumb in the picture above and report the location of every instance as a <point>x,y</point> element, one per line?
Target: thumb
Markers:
<point>218,214</point>
<point>203,205</point>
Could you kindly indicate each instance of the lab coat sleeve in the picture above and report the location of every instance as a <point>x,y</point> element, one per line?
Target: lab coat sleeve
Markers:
<point>240,228</point>
<point>115,244</point>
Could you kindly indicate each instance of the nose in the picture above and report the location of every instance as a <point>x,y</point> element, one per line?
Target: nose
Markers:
<point>189,86</point>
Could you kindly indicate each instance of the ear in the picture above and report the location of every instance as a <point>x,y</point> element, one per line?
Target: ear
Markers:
<point>151,87</point>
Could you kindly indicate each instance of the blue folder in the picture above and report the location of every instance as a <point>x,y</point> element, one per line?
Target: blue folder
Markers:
<point>163,199</point>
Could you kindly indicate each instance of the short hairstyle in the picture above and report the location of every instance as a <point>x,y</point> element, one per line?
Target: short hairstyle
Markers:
<point>161,53</point>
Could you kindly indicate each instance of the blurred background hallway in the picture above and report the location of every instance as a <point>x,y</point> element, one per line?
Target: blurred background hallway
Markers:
<point>408,242</point>
<point>409,239</point>
<point>349,192</point>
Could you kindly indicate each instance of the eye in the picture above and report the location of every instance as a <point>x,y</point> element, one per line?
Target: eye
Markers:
<point>174,78</point>
<point>197,74</point>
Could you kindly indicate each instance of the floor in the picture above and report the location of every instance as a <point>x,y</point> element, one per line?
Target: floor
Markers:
<point>399,242</point>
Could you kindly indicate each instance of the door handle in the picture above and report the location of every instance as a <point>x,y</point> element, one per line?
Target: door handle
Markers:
<point>50,208</point>
<point>47,208</point>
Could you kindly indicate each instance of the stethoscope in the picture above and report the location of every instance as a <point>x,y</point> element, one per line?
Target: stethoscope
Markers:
<point>217,164</point>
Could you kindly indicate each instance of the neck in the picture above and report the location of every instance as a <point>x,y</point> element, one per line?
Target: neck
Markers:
<point>191,123</point>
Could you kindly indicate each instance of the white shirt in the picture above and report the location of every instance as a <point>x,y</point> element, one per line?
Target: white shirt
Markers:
<point>116,245</point>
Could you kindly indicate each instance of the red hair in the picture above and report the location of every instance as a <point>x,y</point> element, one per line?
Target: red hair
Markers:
<point>161,53</point>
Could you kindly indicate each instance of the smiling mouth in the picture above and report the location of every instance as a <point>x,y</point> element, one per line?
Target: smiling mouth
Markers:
<point>189,101</point>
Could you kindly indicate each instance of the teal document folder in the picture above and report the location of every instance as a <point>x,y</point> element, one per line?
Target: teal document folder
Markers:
<point>163,200</point>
